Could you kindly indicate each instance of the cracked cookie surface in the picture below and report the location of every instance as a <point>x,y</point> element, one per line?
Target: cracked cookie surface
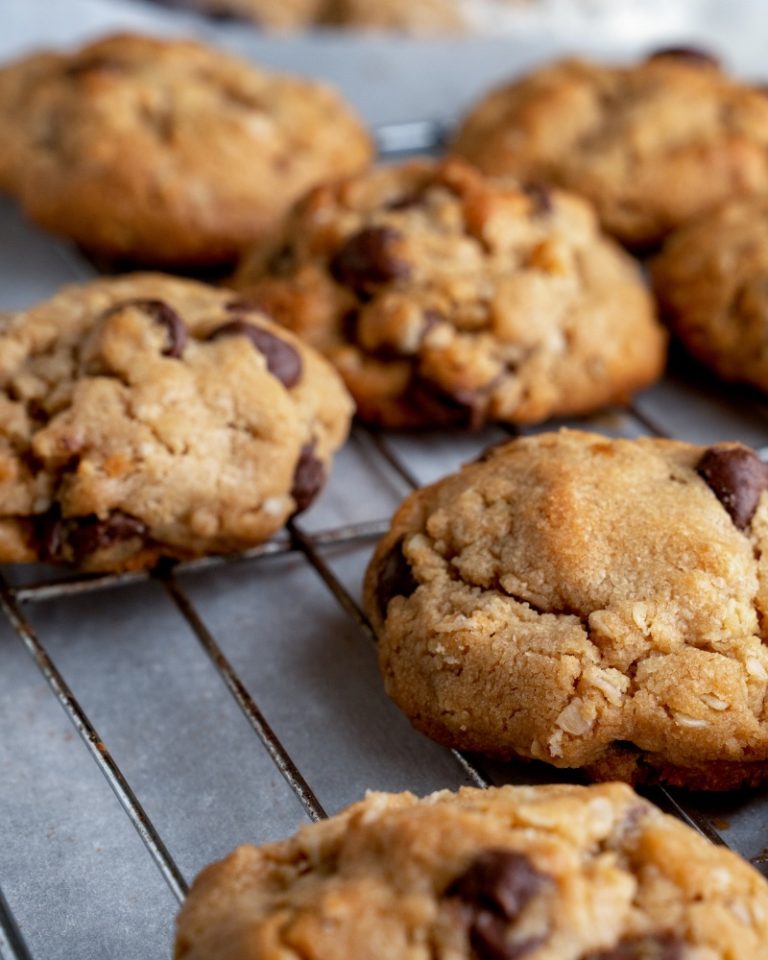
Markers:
<point>650,145</point>
<point>711,279</point>
<point>588,602</point>
<point>148,417</point>
<point>541,873</point>
<point>445,298</point>
<point>166,152</point>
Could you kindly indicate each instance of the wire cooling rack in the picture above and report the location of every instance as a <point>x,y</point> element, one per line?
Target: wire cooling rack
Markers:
<point>231,699</point>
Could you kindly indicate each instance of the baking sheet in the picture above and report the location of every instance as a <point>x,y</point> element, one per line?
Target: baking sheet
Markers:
<point>243,698</point>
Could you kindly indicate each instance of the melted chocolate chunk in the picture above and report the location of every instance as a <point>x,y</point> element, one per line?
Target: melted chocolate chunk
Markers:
<point>395,578</point>
<point>164,316</point>
<point>540,197</point>
<point>692,54</point>
<point>369,259</point>
<point>407,201</point>
<point>92,534</point>
<point>309,477</point>
<point>283,360</point>
<point>75,538</point>
<point>737,477</point>
<point>660,946</point>
<point>499,880</point>
<point>349,322</point>
<point>496,888</point>
<point>462,408</point>
<point>95,64</point>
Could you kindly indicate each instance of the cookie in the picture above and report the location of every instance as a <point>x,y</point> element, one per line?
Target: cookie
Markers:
<point>403,16</point>
<point>712,282</point>
<point>272,14</point>
<point>148,417</point>
<point>650,145</point>
<point>446,298</point>
<point>166,152</point>
<point>588,602</point>
<point>546,873</point>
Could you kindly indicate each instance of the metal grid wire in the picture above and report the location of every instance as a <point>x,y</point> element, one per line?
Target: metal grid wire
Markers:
<point>296,540</point>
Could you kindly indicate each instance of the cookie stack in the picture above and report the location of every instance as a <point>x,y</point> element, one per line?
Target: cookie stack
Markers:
<point>595,603</point>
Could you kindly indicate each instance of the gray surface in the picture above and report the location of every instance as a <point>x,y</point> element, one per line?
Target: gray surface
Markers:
<point>76,875</point>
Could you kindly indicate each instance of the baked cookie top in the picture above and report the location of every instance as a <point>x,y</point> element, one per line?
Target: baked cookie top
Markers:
<point>588,602</point>
<point>541,873</point>
<point>405,16</point>
<point>273,14</point>
<point>650,145</point>
<point>145,416</point>
<point>444,297</point>
<point>166,152</point>
<point>711,279</point>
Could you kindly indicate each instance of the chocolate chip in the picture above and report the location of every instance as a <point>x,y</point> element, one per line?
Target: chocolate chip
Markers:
<point>369,259</point>
<point>660,946</point>
<point>395,578</point>
<point>175,327</point>
<point>91,534</point>
<point>693,55</point>
<point>407,201</point>
<point>94,64</point>
<point>283,360</point>
<point>496,888</point>
<point>308,478</point>
<point>166,317</point>
<point>75,538</point>
<point>737,477</point>
<point>460,408</point>
<point>540,197</point>
<point>499,880</point>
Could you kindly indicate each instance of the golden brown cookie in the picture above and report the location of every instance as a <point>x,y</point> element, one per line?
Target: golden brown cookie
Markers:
<point>403,16</point>
<point>509,873</point>
<point>650,145</point>
<point>272,14</point>
<point>166,152</point>
<point>149,417</point>
<point>712,282</point>
<point>444,297</point>
<point>589,602</point>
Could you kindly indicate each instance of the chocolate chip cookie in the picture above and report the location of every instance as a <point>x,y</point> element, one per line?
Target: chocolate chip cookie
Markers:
<point>166,152</point>
<point>650,145</point>
<point>271,14</point>
<point>588,602</point>
<point>546,873</point>
<point>403,16</point>
<point>712,282</point>
<point>446,298</point>
<point>149,417</point>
